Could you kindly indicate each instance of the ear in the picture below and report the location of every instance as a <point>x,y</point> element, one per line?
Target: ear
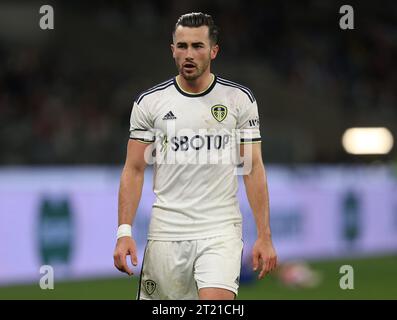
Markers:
<point>173,50</point>
<point>214,51</point>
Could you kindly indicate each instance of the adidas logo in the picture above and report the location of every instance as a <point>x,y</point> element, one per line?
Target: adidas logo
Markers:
<point>169,116</point>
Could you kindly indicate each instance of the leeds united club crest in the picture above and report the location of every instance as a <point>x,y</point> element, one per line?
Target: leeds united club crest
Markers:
<point>219,112</point>
<point>150,286</point>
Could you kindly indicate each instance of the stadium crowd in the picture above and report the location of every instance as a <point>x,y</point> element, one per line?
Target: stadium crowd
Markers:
<point>67,99</point>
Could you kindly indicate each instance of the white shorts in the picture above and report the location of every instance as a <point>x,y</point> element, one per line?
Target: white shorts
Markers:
<point>176,270</point>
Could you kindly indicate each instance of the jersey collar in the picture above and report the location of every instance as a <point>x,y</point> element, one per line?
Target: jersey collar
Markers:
<point>199,94</point>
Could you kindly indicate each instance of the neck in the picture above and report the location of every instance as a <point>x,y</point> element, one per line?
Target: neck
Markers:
<point>196,85</point>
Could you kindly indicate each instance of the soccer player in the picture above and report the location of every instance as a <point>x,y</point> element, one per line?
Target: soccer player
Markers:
<point>191,123</point>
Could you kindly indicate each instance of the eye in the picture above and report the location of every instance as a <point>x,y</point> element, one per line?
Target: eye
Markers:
<point>181,45</point>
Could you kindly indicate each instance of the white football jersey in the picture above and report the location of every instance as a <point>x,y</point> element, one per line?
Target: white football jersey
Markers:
<point>195,139</point>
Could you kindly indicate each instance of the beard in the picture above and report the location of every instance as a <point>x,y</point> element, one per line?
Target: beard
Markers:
<point>195,73</point>
<point>191,75</point>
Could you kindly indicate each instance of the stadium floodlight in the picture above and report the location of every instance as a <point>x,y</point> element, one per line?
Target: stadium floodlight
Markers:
<point>367,141</point>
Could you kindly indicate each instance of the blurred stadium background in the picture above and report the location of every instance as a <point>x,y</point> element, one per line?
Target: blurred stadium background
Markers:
<point>65,101</point>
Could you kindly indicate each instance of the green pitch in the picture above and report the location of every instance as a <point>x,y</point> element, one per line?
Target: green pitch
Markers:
<point>374,278</point>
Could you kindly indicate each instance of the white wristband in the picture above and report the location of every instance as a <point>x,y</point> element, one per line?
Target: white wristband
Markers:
<point>124,230</point>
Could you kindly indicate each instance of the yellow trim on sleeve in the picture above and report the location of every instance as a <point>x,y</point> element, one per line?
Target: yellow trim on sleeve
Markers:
<point>250,142</point>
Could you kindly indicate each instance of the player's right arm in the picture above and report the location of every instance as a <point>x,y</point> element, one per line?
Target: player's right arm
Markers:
<point>130,191</point>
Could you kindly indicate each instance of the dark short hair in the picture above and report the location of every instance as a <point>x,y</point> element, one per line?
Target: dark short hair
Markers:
<point>198,19</point>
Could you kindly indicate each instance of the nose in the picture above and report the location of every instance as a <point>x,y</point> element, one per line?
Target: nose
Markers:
<point>189,53</point>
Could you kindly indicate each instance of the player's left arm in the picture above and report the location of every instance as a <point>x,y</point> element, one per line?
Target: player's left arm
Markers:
<point>263,254</point>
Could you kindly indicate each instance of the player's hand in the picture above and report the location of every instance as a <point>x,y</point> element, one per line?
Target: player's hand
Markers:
<point>125,246</point>
<point>264,256</point>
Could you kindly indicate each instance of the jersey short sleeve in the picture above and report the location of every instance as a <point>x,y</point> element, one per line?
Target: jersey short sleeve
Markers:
<point>248,122</point>
<point>141,124</point>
